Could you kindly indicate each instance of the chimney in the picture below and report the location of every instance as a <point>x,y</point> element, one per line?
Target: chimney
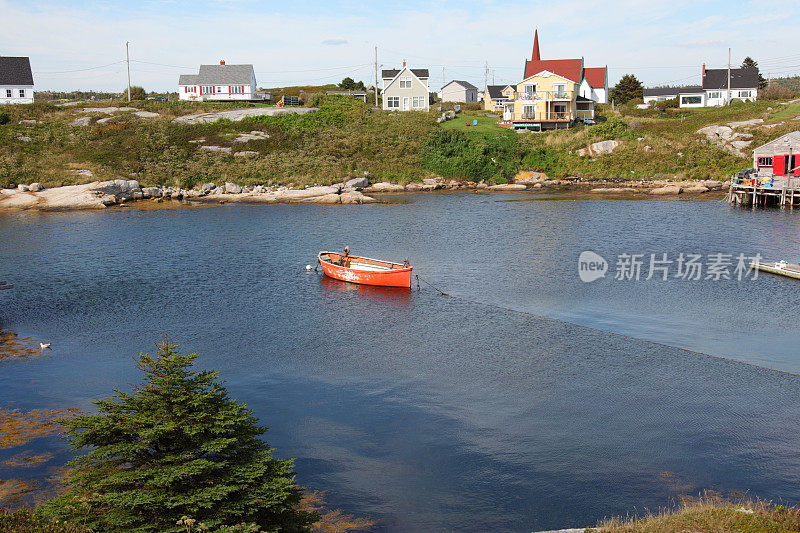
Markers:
<point>704,74</point>
<point>404,63</point>
<point>221,61</point>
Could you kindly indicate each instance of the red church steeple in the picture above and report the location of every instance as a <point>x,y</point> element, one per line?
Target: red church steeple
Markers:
<point>535,56</point>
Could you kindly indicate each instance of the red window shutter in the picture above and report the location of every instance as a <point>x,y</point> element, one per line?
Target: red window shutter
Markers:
<point>242,89</point>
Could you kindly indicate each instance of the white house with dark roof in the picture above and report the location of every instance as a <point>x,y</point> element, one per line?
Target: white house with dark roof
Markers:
<point>459,91</point>
<point>714,90</point>
<point>16,80</point>
<point>406,89</point>
<point>219,82</point>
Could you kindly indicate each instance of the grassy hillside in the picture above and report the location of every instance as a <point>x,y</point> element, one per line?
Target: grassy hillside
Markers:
<point>346,138</point>
<point>711,514</point>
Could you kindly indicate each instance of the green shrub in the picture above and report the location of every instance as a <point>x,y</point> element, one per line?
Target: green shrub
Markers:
<point>454,154</point>
<point>4,118</point>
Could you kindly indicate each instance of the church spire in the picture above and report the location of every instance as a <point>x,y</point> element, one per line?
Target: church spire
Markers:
<point>535,56</point>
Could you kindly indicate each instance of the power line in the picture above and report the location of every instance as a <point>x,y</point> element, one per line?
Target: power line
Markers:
<point>78,69</point>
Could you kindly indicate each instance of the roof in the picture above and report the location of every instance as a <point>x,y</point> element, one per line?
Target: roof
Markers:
<point>465,84</point>
<point>219,75</point>
<point>15,71</point>
<point>535,56</point>
<point>495,91</point>
<point>583,99</point>
<point>671,91</point>
<point>741,78</point>
<point>391,73</point>
<point>567,68</point>
<point>596,76</point>
<point>780,145</point>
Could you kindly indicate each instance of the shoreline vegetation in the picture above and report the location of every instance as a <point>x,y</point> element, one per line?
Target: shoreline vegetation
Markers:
<point>227,152</point>
<point>138,470</point>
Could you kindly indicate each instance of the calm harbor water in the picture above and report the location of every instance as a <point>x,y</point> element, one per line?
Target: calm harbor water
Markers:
<point>528,400</point>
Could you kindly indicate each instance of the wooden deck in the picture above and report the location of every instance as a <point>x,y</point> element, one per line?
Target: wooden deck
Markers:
<point>764,191</point>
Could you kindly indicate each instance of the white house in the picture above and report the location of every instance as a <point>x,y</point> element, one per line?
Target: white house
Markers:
<point>714,90</point>
<point>406,89</point>
<point>16,80</point>
<point>459,91</point>
<point>219,82</point>
<point>594,85</point>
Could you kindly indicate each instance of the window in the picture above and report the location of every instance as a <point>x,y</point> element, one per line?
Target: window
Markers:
<point>405,83</point>
<point>22,93</point>
<point>765,161</point>
<point>205,89</point>
<point>561,110</point>
<point>528,112</point>
<point>8,93</point>
<point>744,94</point>
<point>393,102</point>
<point>559,90</point>
<point>418,102</point>
<point>715,94</point>
<point>691,100</point>
<point>530,90</point>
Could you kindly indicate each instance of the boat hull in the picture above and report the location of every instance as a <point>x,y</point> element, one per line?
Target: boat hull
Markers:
<point>394,276</point>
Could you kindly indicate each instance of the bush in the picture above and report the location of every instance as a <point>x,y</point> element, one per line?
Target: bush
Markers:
<point>4,118</point>
<point>613,127</point>
<point>663,105</point>
<point>454,154</point>
<point>776,92</point>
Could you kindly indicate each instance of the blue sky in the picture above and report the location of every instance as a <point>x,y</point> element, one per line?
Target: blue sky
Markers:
<point>80,45</point>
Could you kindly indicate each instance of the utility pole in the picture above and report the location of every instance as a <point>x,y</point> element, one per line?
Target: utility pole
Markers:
<point>486,75</point>
<point>376,75</point>
<point>128,61</point>
<point>443,81</point>
<point>729,77</point>
<point>493,82</point>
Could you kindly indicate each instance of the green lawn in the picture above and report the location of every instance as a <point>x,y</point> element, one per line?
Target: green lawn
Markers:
<point>485,124</point>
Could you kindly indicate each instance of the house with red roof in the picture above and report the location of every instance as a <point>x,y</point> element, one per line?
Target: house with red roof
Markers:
<point>592,81</point>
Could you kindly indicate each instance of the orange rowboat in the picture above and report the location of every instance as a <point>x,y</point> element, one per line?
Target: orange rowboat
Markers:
<point>364,270</point>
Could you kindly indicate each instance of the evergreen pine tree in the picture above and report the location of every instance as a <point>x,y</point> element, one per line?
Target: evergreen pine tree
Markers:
<point>749,62</point>
<point>176,446</point>
<point>628,88</point>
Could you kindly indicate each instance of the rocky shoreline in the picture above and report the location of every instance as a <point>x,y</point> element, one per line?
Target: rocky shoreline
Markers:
<point>118,193</point>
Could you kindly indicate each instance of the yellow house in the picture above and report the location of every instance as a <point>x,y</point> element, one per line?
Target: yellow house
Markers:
<point>496,96</point>
<point>546,100</point>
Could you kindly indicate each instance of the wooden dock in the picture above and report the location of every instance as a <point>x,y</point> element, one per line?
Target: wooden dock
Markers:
<point>751,190</point>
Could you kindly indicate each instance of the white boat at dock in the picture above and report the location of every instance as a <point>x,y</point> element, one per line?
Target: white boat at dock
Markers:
<point>781,268</point>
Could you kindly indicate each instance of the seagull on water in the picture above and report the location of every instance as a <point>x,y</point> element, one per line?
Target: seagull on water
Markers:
<point>44,345</point>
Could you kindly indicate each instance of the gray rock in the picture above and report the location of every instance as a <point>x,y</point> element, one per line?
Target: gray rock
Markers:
<point>751,122</point>
<point>357,183</point>
<point>35,187</point>
<point>216,149</point>
<point>240,114</point>
<point>668,190</point>
<point>23,187</point>
<point>145,114</point>
<point>81,122</point>
<point>385,186</point>
<point>25,138</point>
<point>151,192</point>
<point>697,189</point>
<point>207,187</point>
<point>118,187</point>
<point>232,188</point>
<point>104,120</point>
<point>247,153</point>
<point>712,184</point>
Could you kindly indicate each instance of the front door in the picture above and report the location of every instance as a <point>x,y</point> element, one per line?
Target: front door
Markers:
<point>406,103</point>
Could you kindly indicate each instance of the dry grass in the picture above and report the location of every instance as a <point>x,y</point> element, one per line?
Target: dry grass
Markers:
<point>332,521</point>
<point>711,513</point>
<point>13,347</point>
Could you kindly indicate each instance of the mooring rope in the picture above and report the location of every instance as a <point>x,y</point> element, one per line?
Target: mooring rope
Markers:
<point>430,285</point>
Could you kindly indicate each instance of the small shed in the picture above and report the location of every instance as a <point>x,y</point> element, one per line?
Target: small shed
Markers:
<point>780,157</point>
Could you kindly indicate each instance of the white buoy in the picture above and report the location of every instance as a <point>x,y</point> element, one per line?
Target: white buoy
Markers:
<point>309,267</point>
<point>44,345</point>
